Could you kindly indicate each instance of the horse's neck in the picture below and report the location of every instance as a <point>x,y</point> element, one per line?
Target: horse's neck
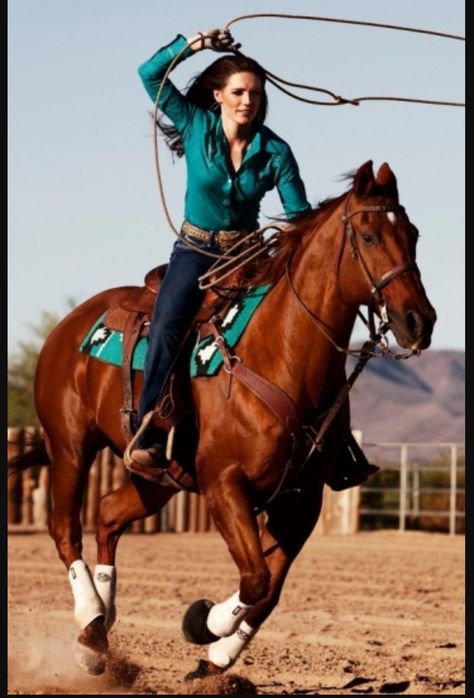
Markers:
<point>310,362</point>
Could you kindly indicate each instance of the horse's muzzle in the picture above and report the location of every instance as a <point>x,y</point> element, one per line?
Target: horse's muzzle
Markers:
<point>413,329</point>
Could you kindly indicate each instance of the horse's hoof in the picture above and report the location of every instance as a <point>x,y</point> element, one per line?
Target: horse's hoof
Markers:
<point>92,661</point>
<point>194,625</point>
<point>203,669</point>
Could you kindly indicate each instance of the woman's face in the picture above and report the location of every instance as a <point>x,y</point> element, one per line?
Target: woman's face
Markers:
<point>240,98</point>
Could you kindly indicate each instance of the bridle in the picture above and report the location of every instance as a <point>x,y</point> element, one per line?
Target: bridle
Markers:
<point>375,286</point>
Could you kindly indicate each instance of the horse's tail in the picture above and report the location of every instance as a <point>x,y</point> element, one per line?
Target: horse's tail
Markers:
<point>35,456</point>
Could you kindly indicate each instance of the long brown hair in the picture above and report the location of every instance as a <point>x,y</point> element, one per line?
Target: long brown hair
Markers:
<point>200,93</point>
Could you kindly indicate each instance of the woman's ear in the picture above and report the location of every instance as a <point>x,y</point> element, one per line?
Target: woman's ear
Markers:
<point>217,96</point>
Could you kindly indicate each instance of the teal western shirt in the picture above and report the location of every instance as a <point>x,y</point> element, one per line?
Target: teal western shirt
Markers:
<point>217,198</point>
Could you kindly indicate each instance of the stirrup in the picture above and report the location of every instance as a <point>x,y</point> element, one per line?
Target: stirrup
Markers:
<point>157,475</point>
<point>127,456</point>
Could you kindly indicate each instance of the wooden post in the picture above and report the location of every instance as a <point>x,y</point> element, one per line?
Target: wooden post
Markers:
<point>30,435</point>
<point>192,518</point>
<point>29,485</point>
<point>152,523</point>
<point>15,448</point>
<point>340,510</point>
<point>41,500</point>
<point>171,511</point>
<point>163,514</point>
<point>203,514</point>
<point>181,501</point>
<point>402,516</point>
<point>30,438</point>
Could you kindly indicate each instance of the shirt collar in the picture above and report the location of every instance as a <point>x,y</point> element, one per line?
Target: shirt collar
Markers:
<point>256,144</point>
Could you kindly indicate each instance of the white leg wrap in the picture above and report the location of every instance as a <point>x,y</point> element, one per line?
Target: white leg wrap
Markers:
<point>105,582</point>
<point>87,603</point>
<point>224,652</point>
<point>224,617</point>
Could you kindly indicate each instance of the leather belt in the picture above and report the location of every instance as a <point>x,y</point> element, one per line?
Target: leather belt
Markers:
<point>222,238</point>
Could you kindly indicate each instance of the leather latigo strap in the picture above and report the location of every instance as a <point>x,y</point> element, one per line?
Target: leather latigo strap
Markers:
<point>132,332</point>
<point>276,399</point>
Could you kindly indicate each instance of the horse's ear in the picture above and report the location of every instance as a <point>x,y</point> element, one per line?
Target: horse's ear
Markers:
<point>386,179</point>
<point>364,180</point>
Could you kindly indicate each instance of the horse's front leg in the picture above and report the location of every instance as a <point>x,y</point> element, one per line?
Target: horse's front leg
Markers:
<point>134,500</point>
<point>290,521</point>
<point>234,516</point>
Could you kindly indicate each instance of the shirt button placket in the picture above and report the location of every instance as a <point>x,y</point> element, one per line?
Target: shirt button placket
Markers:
<point>227,190</point>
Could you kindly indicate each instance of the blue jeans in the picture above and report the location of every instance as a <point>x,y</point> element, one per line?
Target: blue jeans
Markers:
<point>177,303</point>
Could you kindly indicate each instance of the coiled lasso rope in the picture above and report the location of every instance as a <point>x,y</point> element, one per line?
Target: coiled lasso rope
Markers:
<point>231,259</point>
<point>337,100</point>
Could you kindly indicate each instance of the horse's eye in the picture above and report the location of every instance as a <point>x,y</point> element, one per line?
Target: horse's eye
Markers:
<point>368,239</point>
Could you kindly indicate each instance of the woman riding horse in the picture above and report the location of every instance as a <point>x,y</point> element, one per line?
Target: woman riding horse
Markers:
<point>232,161</point>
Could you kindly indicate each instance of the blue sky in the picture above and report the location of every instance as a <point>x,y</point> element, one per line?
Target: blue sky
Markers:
<point>84,207</point>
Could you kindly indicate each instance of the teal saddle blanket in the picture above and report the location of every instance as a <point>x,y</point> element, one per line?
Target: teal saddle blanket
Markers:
<point>106,344</point>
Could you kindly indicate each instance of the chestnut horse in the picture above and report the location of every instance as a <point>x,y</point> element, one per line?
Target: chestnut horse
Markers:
<point>355,249</point>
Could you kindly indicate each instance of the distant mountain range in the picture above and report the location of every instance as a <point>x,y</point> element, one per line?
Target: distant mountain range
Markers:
<point>421,399</point>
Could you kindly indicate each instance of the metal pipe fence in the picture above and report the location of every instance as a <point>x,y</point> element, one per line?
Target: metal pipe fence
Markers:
<point>420,468</point>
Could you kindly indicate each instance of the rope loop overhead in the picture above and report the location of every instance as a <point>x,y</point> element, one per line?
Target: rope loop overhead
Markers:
<point>338,100</point>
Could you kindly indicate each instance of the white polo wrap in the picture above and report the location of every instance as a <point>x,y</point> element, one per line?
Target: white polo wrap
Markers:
<point>105,582</point>
<point>87,602</point>
<point>224,617</point>
<point>226,650</point>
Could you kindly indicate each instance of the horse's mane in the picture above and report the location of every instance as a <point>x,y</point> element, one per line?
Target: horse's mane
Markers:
<point>270,267</point>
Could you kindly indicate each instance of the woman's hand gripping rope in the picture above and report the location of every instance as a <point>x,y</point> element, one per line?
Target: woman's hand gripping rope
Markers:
<point>217,40</point>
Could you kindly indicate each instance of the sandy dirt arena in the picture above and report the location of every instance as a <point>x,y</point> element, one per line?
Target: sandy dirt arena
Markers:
<point>378,612</point>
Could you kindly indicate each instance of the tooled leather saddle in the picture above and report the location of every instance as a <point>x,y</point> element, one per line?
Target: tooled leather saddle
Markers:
<point>132,316</point>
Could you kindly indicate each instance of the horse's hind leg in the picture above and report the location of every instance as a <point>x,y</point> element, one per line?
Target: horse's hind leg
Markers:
<point>69,472</point>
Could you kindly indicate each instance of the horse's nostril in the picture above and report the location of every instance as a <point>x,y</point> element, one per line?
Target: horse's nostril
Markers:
<point>413,322</point>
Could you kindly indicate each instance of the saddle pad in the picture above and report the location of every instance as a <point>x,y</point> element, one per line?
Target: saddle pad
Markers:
<point>206,358</point>
<point>107,345</point>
